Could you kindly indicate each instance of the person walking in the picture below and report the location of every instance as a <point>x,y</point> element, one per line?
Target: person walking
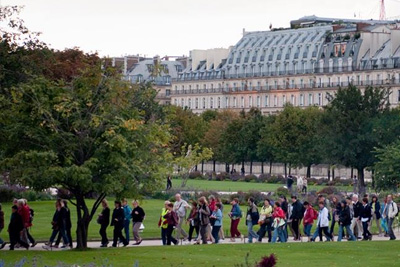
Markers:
<point>323,222</point>
<point>235,216</point>
<point>2,243</point>
<point>221,230</point>
<point>383,217</point>
<point>180,207</point>
<point>305,185</point>
<point>117,220</point>
<point>138,216</point>
<point>23,210</point>
<point>28,223</point>
<point>356,224</point>
<point>336,207</point>
<point>127,218</point>
<point>365,218</point>
<point>279,223</point>
<point>392,211</point>
<point>252,217</point>
<point>345,222</point>
<point>193,221</point>
<point>376,214</point>
<point>285,207</point>
<point>172,220</point>
<point>104,221</point>
<point>217,215</point>
<point>309,216</point>
<point>204,219</point>
<point>211,205</point>
<point>163,224</point>
<point>66,214</point>
<point>265,221</point>
<point>296,217</point>
<point>289,183</point>
<point>57,226</point>
<point>169,182</point>
<point>15,229</point>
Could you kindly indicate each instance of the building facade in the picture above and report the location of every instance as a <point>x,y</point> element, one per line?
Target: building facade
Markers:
<point>303,66</point>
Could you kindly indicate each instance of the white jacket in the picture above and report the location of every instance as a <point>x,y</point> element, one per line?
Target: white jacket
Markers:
<point>392,209</point>
<point>323,220</point>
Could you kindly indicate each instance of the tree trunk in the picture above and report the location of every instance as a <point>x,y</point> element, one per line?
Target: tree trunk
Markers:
<point>202,166</point>
<point>329,173</point>
<point>309,171</point>
<point>227,167</point>
<point>251,166</point>
<point>195,168</point>
<point>270,167</point>
<point>290,169</point>
<point>285,171</point>
<point>361,182</point>
<point>213,165</point>
<point>333,173</point>
<point>351,173</point>
<point>262,167</point>
<point>243,172</point>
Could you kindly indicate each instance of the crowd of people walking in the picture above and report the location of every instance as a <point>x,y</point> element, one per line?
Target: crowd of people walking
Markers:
<point>204,216</point>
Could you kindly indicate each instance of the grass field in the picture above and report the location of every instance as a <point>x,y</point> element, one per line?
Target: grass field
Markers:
<point>229,186</point>
<point>44,213</point>
<point>383,253</point>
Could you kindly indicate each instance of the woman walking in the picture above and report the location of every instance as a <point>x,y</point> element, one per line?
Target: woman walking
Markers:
<point>2,243</point>
<point>221,230</point>
<point>66,213</point>
<point>137,219</point>
<point>104,221</point>
<point>265,221</point>
<point>336,208</point>
<point>163,224</point>
<point>383,217</point>
<point>309,216</point>
<point>58,225</point>
<point>217,215</point>
<point>279,223</point>
<point>345,222</point>
<point>365,218</point>
<point>204,219</point>
<point>323,222</point>
<point>235,216</point>
<point>117,221</point>
<point>172,221</point>
<point>376,213</point>
<point>193,221</point>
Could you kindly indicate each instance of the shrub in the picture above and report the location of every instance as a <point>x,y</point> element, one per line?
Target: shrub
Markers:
<point>222,176</point>
<point>282,191</point>
<point>235,177</point>
<point>267,261</point>
<point>263,178</point>
<point>250,178</point>
<point>195,175</point>
<point>239,195</point>
<point>322,181</point>
<point>6,194</point>
<point>329,190</point>
<point>256,195</point>
<point>346,182</point>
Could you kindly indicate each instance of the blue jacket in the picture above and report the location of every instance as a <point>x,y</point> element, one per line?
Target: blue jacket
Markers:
<point>127,212</point>
<point>218,215</point>
<point>236,212</point>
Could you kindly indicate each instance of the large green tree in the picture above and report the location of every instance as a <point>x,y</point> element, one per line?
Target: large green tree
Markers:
<point>348,124</point>
<point>87,136</point>
<point>387,167</point>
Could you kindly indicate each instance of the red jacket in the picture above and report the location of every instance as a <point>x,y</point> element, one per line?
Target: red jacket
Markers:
<point>279,213</point>
<point>309,216</point>
<point>26,216</point>
<point>212,205</point>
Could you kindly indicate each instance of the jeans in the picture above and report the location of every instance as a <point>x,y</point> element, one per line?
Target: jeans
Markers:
<point>279,232</point>
<point>307,229</point>
<point>295,226</point>
<point>170,238</point>
<point>234,228</point>
<point>191,230</point>
<point>203,233</point>
<point>69,237</point>
<point>264,228</point>
<point>215,233</point>
<point>251,232</point>
<point>118,235</point>
<point>60,231</point>
<point>126,228</point>
<point>103,234</point>
<point>332,223</point>
<point>384,225</point>
<point>316,232</point>
<point>390,229</point>
<point>1,240</point>
<point>366,233</point>
<point>30,237</point>
<point>164,236</point>
<point>349,232</point>
<point>326,233</point>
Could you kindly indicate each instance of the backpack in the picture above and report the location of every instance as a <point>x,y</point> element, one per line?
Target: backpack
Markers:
<point>31,215</point>
<point>397,213</point>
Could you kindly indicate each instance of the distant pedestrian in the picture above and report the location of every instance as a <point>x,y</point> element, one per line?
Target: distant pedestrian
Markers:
<point>2,243</point>
<point>376,213</point>
<point>365,218</point>
<point>252,217</point>
<point>117,221</point>
<point>279,223</point>
<point>58,226</point>
<point>221,230</point>
<point>163,224</point>
<point>67,225</point>
<point>15,229</point>
<point>138,216</point>
<point>265,221</point>
<point>127,218</point>
<point>323,222</point>
<point>383,217</point>
<point>391,212</point>
<point>305,185</point>
<point>193,221</point>
<point>217,215</point>
<point>308,221</point>
<point>289,183</point>
<point>204,219</point>
<point>297,216</point>
<point>180,207</point>
<point>345,221</point>
<point>336,208</point>
<point>235,216</point>
<point>169,182</point>
<point>104,221</point>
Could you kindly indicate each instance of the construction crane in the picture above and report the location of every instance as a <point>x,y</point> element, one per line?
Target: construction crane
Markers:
<point>382,14</point>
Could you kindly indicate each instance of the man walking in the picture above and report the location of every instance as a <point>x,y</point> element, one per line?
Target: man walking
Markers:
<point>15,229</point>
<point>355,222</point>
<point>391,212</point>
<point>297,215</point>
<point>180,207</point>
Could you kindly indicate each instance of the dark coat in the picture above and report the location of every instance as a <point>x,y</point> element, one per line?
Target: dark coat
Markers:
<point>204,215</point>
<point>105,217</point>
<point>344,216</point>
<point>298,210</point>
<point>57,221</point>
<point>284,207</point>
<point>357,207</point>
<point>1,219</point>
<point>120,216</point>
<point>366,212</point>
<point>377,209</point>
<point>16,224</point>
<point>139,216</point>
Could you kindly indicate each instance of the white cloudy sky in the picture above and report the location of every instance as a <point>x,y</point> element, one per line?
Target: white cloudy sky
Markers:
<point>173,27</point>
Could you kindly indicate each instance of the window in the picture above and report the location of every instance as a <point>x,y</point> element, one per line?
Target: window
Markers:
<point>293,100</point>
<point>234,102</point>
<point>182,102</point>
<point>190,103</point>
<point>319,99</point>
<point>338,81</point>
<point>197,103</point>
<point>275,101</point>
<point>167,92</point>
<point>283,100</point>
<point>329,82</point>
<point>219,102</point>
<point>367,80</point>
<point>266,104</point>
<point>211,102</point>
<point>275,84</point>
<point>301,100</point>
<point>258,101</point>
<point>242,102</point>
<point>398,96</point>
<point>183,88</point>
<point>250,86</point>
<point>311,83</point>
<point>176,102</point>
<point>358,79</point>
<point>292,85</point>
<point>320,82</point>
<point>310,99</point>
<point>197,87</point>
<point>227,102</point>
<point>250,101</point>
<point>234,87</point>
<point>301,83</point>
<point>258,85</point>
<point>204,103</point>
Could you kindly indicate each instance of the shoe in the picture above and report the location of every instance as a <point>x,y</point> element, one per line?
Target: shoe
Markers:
<point>392,238</point>
<point>233,240</point>
<point>46,247</point>
<point>103,245</point>
<point>370,237</point>
<point>55,246</point>
<point>241,237</point>
<point>3,245</point>
<point>33,244</point>
<point>125,244</point>
<point>139,242</point>
<point>63,246</point>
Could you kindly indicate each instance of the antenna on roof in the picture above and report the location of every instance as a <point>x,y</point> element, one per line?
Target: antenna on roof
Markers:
<point>382,14</point>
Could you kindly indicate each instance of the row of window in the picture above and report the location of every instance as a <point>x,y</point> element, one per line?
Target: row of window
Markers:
<point>250,101</point>
<point>319,82</point>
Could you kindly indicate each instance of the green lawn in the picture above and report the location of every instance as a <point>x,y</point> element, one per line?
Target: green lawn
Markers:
<point>229,186</point>
<point>44,212</point>
<point>383,253</point>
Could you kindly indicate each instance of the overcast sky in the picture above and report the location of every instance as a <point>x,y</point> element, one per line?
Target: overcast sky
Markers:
<point>173,27</point>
